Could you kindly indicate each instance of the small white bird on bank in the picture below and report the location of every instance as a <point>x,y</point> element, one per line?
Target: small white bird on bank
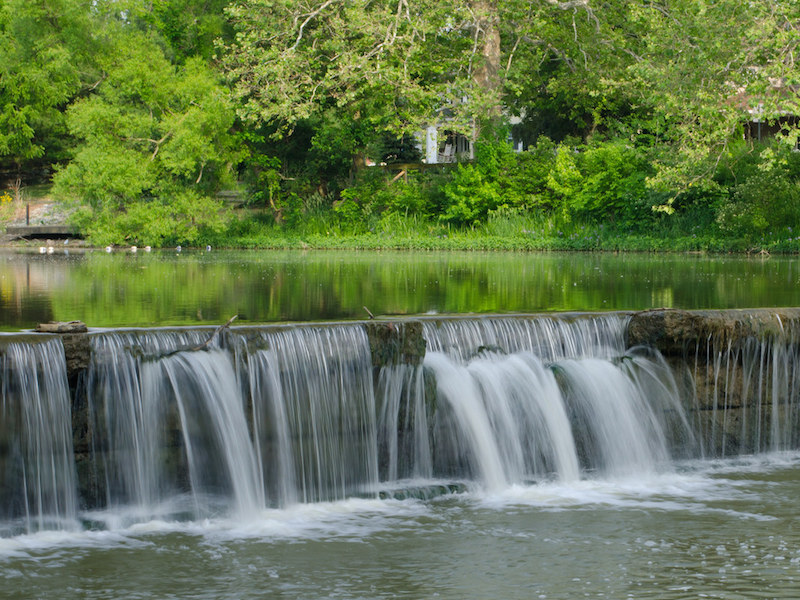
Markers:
<point>134,249</point>
<point>108,248</point>
<point>147,248</point>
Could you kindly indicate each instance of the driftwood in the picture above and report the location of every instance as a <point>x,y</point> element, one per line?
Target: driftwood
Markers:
<point>214,335</point>
<point>62,327</point>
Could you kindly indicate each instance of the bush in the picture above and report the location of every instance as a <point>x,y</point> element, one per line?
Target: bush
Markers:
<point>767,202</point>
<point>765,197</point>
<point>470,195</point>
<point>491,181</point>
<point>185,218</point>
<point>613,186</point>
<point>529,175</point>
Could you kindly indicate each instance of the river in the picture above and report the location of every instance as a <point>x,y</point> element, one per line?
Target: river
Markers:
<point>548,467</point>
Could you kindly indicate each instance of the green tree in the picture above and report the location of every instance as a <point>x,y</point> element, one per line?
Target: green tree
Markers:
<point>146,131</point>
<point>189,28</point>
<point>701,66</point>
<point>386,63</point>
<point>45,61</point>
<point>388,68</point>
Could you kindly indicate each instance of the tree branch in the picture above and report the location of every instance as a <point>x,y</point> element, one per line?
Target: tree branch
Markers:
<point>311,15</point>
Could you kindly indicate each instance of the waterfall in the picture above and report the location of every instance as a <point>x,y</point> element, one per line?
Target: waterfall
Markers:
<point>220,455</point>
<point>38,488</point>
<point>313,407</point>
<point>167,425</point>
<point>170,420</point>
<point>403,430</point>
<point>526,400</point>
<point>548,337</point>
<point>748,393</point>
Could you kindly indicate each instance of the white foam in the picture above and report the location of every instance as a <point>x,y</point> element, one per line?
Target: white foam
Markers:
<point>351,519</point>
<point>696,487</point>
<point>695,491</point>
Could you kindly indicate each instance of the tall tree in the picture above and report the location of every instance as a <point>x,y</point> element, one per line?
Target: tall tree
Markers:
<point>402,63</point>
<point>189,28</point>
<point>45,61</point>
<point>702,66</point>
<point>148,131</point>
<point>391,63</point>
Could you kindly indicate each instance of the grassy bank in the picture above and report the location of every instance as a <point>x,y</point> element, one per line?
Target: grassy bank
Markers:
<point>515,231</point>
<point>518,232</point>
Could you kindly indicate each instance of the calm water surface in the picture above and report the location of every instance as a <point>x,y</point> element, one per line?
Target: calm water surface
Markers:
<point>167,288</point>
<point>707,530</point>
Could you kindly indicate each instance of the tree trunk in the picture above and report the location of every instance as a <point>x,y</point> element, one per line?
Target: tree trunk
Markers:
<point>486,72</point>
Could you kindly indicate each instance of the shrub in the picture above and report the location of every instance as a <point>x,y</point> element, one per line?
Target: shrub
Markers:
<point>184,218</point>
<point>613,185</point>
<point>765,202</point>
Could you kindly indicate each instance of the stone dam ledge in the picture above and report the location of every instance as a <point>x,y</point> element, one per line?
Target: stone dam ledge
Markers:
<point>675,332</point>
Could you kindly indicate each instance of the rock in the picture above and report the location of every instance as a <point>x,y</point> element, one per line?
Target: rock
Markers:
<point>77,348</point>
<point>674,332</point>
<point>398,342</point>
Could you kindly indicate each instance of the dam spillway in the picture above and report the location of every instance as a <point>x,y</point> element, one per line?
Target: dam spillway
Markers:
<point>137,425</point>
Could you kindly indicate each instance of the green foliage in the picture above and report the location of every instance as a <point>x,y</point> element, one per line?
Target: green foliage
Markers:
<point>482,186</point>
<point>565,180</point>
<point>139,104</point>
<point>189,28</point>
<point>471,194</point>
<point>45,54</point>
<point>765,197</point>
<point>146,132</point>
<point>378,62</point>
<point>391,149</point>
<point>106,176</point>
<point>528,176</point>
<point>613,186</point>
<point>768,201</point>
<point>183,218</point>
<point>383,193</point>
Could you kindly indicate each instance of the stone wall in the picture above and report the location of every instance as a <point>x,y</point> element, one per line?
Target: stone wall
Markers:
<point>738,369</point>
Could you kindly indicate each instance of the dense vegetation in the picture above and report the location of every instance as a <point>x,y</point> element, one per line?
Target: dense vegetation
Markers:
<point>645,125</point>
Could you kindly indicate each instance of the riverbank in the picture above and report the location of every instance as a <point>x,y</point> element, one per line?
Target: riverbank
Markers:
<point>249,229</point>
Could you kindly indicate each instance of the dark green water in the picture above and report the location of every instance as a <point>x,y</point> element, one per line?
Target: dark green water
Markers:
<point>168,288</point>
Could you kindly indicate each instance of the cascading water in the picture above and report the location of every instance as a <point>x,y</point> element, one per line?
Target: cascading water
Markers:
<point>403,431</point>
<point>749,393</point>
<point>515,416</point>
<point>172,434</point>
<point>176,427</point>
<point>220,455</point>
<point>37,468</point>
<point>313,408</point>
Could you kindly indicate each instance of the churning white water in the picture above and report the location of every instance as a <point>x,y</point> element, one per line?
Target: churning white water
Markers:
<point>535,398</point>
